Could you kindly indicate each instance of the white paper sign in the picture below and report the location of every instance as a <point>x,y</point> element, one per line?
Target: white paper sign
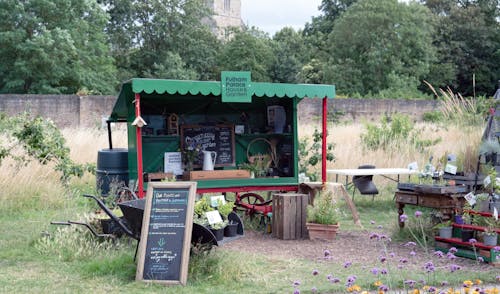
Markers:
<point>413,166</point>
<point>471,198</point>
<point>213,217</point>
<point>214,200</point>
<point>487,181</point>
<point>451,169</point>
<point>173,163</point>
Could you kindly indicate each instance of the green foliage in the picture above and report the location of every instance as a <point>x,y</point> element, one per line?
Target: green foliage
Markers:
<point>379,45</point>
<point>433,116</point>
<point>310,155</point>
<point>393,133</point>
<point>248,50</point>
<point>325,210</point>
<point>225,209</point>
<point>54,47</point>
<point>42,141</point>
<point>467,40</point>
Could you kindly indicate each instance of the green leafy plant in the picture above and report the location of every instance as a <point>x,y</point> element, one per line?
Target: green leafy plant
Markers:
<point>310,155</point>
<point>42,141</point>
<point>225,209</point>
<point>325,209</point>
<point>201,206</point>
<point>219,225</point>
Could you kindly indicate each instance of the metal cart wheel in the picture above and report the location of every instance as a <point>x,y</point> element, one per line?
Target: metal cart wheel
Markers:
<point>247,200</point>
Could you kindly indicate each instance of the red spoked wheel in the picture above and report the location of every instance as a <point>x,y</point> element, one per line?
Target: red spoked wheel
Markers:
<point>252,203</point>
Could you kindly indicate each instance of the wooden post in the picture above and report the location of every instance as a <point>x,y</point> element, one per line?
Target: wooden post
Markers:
<point>289,216</point>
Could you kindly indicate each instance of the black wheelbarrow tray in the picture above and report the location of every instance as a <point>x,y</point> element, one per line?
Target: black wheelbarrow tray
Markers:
<point>133,213</point>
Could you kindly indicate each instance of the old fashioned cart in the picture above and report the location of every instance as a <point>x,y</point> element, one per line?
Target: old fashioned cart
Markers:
<point>240,120</point>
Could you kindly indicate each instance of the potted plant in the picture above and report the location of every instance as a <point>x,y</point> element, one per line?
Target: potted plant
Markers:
<point>490,236</point>
<point>445,229</point>
<point>225,209</point>
<point>322,217</point>
<point>483,202</point>
<point>218,229</point>
<point>489,149</point>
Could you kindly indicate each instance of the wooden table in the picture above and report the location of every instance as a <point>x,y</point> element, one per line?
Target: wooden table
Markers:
<point>448,202</point>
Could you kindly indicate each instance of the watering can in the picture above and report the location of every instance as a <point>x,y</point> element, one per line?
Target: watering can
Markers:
<point>209,159</point>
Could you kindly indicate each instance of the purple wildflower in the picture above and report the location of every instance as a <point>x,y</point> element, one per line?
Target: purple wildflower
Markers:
<point>418,213</point>
<point>383,271</point>
<point>372,222</point>
<point>444,283</point>
<point>314,290</point>
<point>432,289</point>
<point>480,259</point>
<point>392,254</point>
<point>413,253</point>
<point>379,226</point>
<point>496,248</point>
<point>453,250</point>
<point>374,236</point>
<point>403,260</point>
<point>438,253</point>
<point>329,277</point>
<point>374,271</point>
<point>350,281</point>
<point>326,253</point>
<point>403,218</point>
<point>347,264</point>
<point>296,283</point>
<point>410,283</point>
<point>383,288</point>
<point>429,267</point>
<point>296,291</point>
<point>315,272</point>
<point>382,258</point>
<point>334,280</point>
<point>450,256</point>
<point>411,243</point>
<point>454,268</point>
<point>472,241</point>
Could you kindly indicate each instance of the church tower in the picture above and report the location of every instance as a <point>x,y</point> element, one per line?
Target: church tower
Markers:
<point>227,14</point>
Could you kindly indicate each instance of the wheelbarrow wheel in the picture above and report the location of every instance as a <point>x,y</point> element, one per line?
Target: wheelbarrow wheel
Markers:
<point>202,239</point>
<point>247,200</point>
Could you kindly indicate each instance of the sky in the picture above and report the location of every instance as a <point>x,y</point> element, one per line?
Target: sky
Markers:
<point>273,15</point>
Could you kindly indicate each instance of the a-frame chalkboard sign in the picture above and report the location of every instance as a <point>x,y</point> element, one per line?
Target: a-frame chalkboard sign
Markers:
<point>166,233</point>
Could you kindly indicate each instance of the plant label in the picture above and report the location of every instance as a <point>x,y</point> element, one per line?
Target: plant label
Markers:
<point>213,217</point>
<point>471,198</point>
<point>214,200</point>
<point>487,181</point>
<point>451,169</point>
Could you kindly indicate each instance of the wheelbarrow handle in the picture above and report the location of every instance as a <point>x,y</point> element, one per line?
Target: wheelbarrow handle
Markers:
<point>108,211</point>
<point>60,223</point>
<point>91,229</point>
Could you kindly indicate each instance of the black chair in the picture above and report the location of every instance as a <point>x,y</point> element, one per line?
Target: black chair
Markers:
<point>364,184</point>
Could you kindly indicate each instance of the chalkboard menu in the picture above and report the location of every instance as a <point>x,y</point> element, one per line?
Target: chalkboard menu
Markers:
<point>218,138</point>
<point>166,233</point>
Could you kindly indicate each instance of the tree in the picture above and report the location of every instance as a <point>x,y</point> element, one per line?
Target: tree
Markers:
<point>290,52</point>
<point>468,42</point>
<point>144,34</point>
<point>248,50</point>
<point>377,43</point>
<point>56,46</point>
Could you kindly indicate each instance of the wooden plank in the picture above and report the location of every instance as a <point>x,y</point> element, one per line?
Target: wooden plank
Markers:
<point>218,174</point>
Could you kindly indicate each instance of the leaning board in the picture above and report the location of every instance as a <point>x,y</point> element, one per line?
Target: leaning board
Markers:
<point>166,233</point>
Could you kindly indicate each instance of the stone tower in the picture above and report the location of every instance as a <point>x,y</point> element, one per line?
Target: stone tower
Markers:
<point>227,14</point>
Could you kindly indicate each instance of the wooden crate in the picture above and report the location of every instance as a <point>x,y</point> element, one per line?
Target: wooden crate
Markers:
<point>289,216</point>
<point>217,174</point>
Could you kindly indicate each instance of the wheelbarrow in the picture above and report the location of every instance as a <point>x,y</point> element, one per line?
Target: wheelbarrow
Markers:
<point>131,223</point>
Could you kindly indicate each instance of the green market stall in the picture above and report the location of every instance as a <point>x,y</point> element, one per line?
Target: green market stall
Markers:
<point>236,118</point>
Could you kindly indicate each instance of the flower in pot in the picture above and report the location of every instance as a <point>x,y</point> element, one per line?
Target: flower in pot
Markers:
<point>323,216</point>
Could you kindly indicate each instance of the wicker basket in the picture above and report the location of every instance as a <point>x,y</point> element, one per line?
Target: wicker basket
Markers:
<point>263,160</point>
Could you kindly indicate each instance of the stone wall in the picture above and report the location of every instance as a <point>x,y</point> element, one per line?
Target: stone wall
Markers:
<point>89,111</point>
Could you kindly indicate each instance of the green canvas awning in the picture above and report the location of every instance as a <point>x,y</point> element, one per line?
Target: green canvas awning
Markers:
<point>174,88</point>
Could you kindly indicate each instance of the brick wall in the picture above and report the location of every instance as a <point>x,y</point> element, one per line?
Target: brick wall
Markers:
<point>88,111</point>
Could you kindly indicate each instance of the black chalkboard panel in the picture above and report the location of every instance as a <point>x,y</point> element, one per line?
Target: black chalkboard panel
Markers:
<point>166,233</point>
<point>218,138</point>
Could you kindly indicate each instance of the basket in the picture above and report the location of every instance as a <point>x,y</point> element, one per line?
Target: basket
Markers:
<point>263,160</point>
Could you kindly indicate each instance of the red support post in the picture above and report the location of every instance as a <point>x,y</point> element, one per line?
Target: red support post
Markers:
<point>323,142</point>
<point>138,138</point>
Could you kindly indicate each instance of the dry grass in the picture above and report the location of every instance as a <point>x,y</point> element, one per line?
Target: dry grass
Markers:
<point>36,179</point>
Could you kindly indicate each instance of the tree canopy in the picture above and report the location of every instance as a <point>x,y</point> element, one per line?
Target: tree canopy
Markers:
<point>383,48</point>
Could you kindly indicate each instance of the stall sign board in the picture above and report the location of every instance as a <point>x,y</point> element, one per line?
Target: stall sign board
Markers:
<point>166,233</point>
<point>218,138</point>
<point>235,86</point>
